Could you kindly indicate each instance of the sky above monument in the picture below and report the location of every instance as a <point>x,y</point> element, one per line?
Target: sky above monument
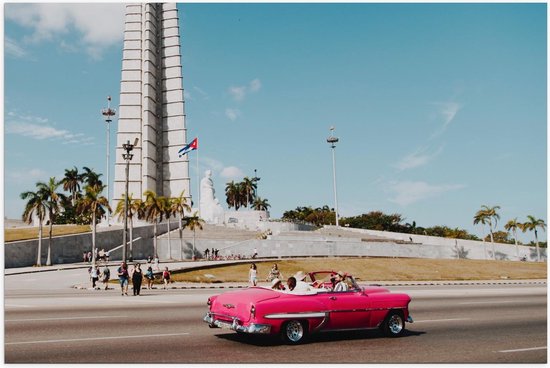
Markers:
<point>439,108</point>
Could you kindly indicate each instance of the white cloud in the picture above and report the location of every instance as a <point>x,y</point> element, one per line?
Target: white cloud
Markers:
<point>12,48</point>
<point>239,92</point>
<point>31,174</point>
<point>97,25</point>
<point>409,192</point>
<point>232,114</point>
<point>447,111</point>
<point>416,159</point>
<point>231,172</point>
<point>211,163</point>
<point>35,127</point>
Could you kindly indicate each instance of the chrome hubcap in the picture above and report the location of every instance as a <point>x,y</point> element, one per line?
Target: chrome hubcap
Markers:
<point>395,324</point>
<point>294,331</point>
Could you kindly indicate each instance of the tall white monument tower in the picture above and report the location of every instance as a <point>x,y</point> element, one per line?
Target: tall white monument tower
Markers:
<point>152,107</point>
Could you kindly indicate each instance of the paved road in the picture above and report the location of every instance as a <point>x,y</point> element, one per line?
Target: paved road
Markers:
<point>453,324</point>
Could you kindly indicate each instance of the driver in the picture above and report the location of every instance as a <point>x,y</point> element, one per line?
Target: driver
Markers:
<point>341,284</point>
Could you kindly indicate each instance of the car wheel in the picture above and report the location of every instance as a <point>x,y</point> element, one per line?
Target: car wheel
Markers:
<point>294,332</point>
<point>394,324</point>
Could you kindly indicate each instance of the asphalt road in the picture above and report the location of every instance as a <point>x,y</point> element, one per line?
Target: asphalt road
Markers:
<point>453,324</point>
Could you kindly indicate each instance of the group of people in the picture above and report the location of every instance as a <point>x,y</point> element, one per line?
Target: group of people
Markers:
<point>297,282</point>
<point>100,255</point>
<point>211,254</point>
<point>137,275</point>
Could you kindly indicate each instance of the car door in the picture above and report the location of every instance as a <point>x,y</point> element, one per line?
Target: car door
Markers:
<point>347,310</point>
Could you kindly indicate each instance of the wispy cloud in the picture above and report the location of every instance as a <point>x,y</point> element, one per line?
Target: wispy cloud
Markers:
<point>31,174</point>
<point>409,192</point>
<point>12,48</point>
<point>54,21</point>
<point>232,114</point>
<point>447,111</point>
<point>416,159</point>
<point>239,93</point>
<point>38,128</point>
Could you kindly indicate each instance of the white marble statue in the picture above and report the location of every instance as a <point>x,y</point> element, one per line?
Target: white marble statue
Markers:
<point>210,209</point>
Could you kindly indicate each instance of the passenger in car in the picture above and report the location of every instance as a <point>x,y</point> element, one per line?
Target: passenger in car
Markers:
<point>276,284</point>
<point>291,283</point>
<point>340,279</point>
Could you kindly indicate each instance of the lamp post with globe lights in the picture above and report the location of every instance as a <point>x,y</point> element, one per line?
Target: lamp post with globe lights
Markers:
<point>108,113</point>
<point>128,147</point>
<point>332,140</point>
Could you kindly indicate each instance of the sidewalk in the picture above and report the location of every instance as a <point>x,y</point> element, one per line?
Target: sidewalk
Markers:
<point>193,265</point>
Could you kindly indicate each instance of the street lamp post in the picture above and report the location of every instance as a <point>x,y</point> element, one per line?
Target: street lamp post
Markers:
<point>256,180</point>
<point>128,147</point>
<point>333,140</point>
<point>108,113</point>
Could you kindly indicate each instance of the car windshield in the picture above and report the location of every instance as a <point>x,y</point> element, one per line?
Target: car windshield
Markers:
<point>324,277</point>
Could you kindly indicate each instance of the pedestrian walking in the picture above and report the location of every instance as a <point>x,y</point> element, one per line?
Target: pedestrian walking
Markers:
<point>150,276</point>
<point>253,275</point>
<point>255,253</point>
<point>123,278</point>
<point>89,256</point>
<point>105,276</point>
<point>94,275</point>
<point>157,263</point>
<point>137,277</point>
<point>84,257</point>
<point>166,277</point>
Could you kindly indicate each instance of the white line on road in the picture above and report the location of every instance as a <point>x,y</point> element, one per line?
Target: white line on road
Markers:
<point>61,318</point>
<point>492,302</point>
<point>443,320</point>
<point>526,349</point>
<point>94,339</point>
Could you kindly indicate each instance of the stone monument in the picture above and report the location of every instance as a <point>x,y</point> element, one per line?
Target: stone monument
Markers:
<point>210,209</point>
<point>152,107</point>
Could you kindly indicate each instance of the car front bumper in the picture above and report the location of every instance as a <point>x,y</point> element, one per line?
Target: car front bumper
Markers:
<point>235,325</point>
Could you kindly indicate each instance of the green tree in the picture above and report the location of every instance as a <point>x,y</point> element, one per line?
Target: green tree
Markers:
<point>95,204</point>
<point>167,213</point>
<point>71,183</point>
<point>90,177</point>
<point>481,217</point>
<point>135,209</point>
<point>260,204</point>
<point>248,188</point>
<point>36,206</point>
<point>232,194</point>
<point>153,212</point>
<point>532,224</point>
<point>179,206</point>
<point>514,225</point>
<point>53,199</point>
<point>194,223</point>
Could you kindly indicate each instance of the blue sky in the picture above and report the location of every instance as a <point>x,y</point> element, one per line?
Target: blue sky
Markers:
<point>440,108</point>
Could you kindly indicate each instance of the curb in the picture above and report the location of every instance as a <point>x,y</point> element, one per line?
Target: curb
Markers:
<point>427,283</point>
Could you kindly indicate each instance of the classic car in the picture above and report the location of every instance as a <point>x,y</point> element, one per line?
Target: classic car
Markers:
<point>295,315</point>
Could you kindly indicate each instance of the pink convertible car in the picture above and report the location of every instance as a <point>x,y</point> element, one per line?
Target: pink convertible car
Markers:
<point>260,310</point>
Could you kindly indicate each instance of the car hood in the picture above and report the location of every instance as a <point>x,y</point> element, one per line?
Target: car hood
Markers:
<point>238,303</point>
<point>371,289</point>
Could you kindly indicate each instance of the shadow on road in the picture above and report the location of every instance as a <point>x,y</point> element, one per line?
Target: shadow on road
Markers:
<point>270,341</point>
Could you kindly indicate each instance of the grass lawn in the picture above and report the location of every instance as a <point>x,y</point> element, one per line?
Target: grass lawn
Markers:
<point>32,232</point>
<point>378,269</point>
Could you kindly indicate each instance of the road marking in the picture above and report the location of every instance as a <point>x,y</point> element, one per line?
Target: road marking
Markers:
<point>526,349</point>
<point>94,339</point>
<point>494,302</point>
<point>443,320</point>
<point>18,306</point>
<point>61,318</point>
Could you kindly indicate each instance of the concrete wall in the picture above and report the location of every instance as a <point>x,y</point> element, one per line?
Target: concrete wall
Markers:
<point>68,249</point>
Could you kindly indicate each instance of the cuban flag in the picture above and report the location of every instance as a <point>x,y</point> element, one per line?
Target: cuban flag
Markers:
<point>190,147</point>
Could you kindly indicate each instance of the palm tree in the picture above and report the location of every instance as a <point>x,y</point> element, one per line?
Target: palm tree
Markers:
<point>135,208</point>
<point>71,183</point>
<point>232,195</point>
<point>35,207</point>
<point>167,212</point>
<point>492,215</point>
<point>90,177</point>
<point>481,218</point>
<point>260,204</point>
<point>248,187</point>
<point>532,224</point>
<point>179,206</point>
<point>48,191</point>
<point>153,212</point>
<point>95,204</point>
<point>194,223</point>
<point>514,225</point>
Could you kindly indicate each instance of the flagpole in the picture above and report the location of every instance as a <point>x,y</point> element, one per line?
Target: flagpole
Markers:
<point>198,181</point>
